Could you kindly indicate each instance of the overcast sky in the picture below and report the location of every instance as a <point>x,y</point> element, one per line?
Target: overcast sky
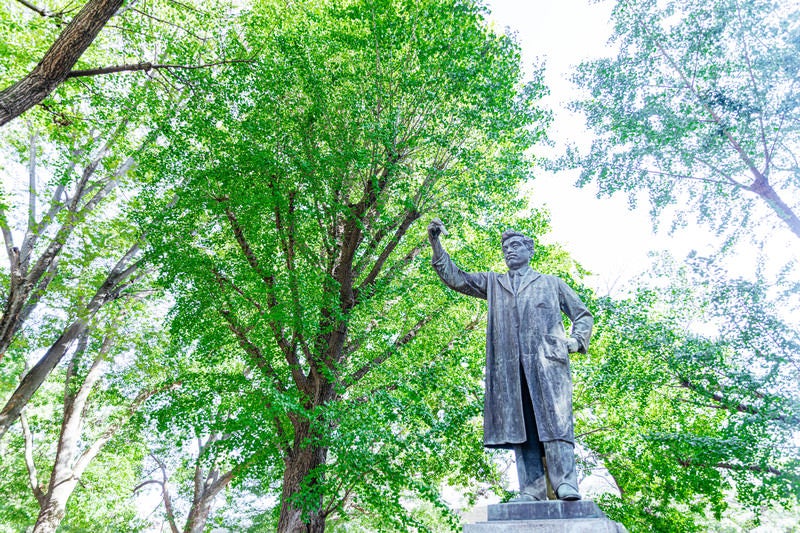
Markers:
<point>602,234</point>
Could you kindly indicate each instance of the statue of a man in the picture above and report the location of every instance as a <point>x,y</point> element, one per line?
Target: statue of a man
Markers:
<point>528,404</point>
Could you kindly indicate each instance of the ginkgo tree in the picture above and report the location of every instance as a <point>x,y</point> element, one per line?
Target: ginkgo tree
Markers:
<point>699,109</point>
<point>688,400</point>
<point>296,189</point>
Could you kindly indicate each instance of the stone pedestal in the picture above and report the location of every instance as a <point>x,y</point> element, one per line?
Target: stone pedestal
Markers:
<point>546,517</point>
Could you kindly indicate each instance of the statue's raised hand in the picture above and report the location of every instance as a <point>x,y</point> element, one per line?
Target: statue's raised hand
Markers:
<point>435,228</point>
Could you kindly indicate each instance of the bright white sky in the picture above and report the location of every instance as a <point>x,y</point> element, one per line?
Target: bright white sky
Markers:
<point>602,234</point>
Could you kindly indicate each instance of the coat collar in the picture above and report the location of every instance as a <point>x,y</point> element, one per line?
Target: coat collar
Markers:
<point>528,277</point>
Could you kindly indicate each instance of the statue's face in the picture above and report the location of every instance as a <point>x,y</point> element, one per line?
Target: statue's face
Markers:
<point>516,253</point>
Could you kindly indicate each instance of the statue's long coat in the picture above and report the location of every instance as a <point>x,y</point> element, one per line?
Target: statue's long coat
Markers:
<point>525,330</point>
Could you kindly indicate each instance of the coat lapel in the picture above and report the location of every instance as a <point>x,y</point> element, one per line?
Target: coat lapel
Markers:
<point>505,282</point>
<point>529,277</point>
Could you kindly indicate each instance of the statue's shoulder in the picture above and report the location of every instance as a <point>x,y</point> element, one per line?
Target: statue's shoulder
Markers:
<point>549,280</point>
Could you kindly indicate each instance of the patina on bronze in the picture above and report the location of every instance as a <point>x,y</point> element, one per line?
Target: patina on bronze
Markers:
<point>528,404</point>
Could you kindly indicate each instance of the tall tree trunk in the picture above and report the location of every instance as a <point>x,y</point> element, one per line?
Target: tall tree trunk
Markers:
<point>198,515</point>
<point>58,60</point>
<point>300,464</point>
<point>206,488</point>
<point>201,506</point>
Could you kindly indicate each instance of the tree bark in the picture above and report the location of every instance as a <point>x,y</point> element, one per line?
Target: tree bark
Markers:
<point>299,474</point>
<point>206,488</point>
<point>204,499</point>
<point>764,190</point>
<point>58,60</point>
<point>55,506</point>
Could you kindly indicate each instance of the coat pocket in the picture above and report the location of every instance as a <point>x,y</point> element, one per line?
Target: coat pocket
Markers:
<point>555,348</point>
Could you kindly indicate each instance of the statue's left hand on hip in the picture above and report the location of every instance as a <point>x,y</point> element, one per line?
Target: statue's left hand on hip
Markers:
<point>573,345</point>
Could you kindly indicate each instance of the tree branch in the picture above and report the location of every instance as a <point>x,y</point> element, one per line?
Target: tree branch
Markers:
<point>733,405</point>
<point>33,477</point>
<point>146,66</point>
<point>58,60</point>
<point>359,374</point>
<point>251,349</point>
<point>34,378</point>
<point>751,74</point>
<point>409,219</point>
<point>168,23</point>
<point>43,12</point>
<point>89,454</point>
<point>80,349</point>
<point>221,278</point>
<point>716,117</point>
<point>32,184</point>
<point>164,493</point>
<point>730,466</point>
<point>280,337</point>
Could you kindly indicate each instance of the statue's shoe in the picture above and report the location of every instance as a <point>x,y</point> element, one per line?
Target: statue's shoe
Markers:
<point>530,494</point>
<point>522,497</point>
<point>567,493</point>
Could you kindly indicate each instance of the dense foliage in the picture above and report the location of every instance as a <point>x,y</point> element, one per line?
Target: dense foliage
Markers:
<point>689,399</point>
<point>293,247</point>
<point>218,299</point>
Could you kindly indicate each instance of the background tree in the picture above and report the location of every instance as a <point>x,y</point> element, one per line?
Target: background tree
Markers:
<point>688,398</point>
<point>73,256</point>
<point>700,110</point>
<point>292,240</point>
<point>78,410</point>
<point>103,37</point>
<point>79,150</point>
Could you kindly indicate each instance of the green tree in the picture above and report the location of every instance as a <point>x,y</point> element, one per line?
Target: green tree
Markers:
<point>153,37</point>
<point>291,242</point>
<point>699,109</point>
<point>60,249</point>
<point>688,397</point>
<point>73,254</point>
<point>78,410</point>
<point>79,150</point>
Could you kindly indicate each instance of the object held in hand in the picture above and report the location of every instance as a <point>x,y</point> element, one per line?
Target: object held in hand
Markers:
<point>441,226</point>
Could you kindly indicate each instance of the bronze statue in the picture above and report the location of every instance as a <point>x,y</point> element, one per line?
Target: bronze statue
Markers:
<point>528,404</point>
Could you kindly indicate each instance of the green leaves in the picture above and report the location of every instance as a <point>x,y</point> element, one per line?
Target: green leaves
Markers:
<point>294,248</point>
<point>684,418</point>
<point>695,110</point>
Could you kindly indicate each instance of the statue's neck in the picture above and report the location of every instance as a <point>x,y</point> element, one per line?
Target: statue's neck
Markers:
<point>521,270</point>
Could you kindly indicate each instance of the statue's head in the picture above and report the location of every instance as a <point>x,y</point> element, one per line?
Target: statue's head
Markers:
<point>517,249</point>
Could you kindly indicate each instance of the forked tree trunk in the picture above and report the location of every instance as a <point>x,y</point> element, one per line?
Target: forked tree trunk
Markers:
<point>198,516</point>
<point>205,491</point>
<point>51,515</point>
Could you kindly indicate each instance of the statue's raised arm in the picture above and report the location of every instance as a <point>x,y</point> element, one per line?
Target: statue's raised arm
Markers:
<point>436,228</point>
<point>469,283</point>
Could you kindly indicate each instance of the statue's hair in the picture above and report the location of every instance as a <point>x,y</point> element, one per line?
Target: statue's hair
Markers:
<point>527,241</point>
